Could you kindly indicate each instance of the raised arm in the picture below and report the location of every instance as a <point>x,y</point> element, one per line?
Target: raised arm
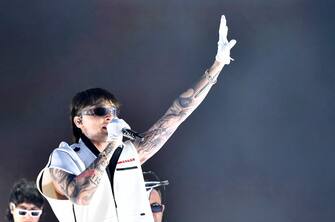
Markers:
<point>187,102</point>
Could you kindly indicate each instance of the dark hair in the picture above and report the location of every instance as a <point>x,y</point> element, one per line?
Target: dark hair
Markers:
<point>24,191</point>
<point>152,176</point>
<point>89,97</point>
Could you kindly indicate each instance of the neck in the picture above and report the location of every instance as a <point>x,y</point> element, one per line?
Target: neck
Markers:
<point>100,145</point>
<point>94,145</point>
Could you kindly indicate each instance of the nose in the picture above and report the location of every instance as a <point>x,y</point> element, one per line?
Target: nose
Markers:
<point>109,117</point>
<point>28,217</point>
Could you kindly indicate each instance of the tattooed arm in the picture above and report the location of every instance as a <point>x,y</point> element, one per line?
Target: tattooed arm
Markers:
<point>187,102</point>
<point>181,108</point>
<point>80,189</point>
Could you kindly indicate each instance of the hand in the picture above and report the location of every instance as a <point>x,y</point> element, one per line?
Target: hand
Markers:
<point>224,47</point>
<point>114,129</point>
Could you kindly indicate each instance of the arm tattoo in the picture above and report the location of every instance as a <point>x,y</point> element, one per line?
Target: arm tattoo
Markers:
<point>80,189</point>
<point>181,108</point>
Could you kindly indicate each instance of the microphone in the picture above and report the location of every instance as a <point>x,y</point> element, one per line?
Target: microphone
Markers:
<point>131,134</point>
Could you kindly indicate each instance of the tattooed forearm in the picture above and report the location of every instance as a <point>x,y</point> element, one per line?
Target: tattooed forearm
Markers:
<point>181,108</point>
<point>80,189</point>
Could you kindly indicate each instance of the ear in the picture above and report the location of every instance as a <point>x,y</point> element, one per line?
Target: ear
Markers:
<point>78,121</point>
<point>12,207</point>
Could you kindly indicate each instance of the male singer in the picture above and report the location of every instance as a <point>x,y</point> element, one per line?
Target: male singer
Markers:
<point>99,177</point>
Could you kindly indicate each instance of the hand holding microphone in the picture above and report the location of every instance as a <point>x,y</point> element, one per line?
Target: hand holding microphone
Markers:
<point>118,128</point>
<point>115,130</point>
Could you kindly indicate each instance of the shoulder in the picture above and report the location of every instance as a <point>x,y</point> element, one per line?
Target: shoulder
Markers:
<point>64,157</point>
<point>64,150</point>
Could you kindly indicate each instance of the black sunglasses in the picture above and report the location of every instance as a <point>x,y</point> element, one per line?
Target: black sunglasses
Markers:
<point>156,207</point>
<point>100,111</point>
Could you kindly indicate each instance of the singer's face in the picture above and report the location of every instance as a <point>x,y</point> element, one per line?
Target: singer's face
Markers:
<point>93,126</point>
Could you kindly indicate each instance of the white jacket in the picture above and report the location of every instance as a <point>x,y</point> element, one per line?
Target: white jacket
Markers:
<point>129,189</point>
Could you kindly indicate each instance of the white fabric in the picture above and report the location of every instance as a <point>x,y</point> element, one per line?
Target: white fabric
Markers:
<point>115,128</point>
<point>129,188</point>
<point>224,47</point>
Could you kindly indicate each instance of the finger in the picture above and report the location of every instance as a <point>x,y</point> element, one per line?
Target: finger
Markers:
<point>223,30</point>
<point>231,43</point>
<point>223,21</point>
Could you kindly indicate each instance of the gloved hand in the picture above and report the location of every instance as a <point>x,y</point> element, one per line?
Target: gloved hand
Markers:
<point>114,129</point>
<point>224,47</point>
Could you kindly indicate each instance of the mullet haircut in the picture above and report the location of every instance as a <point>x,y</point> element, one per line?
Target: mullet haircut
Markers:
<point>24,191</point>
<point>89,97</point>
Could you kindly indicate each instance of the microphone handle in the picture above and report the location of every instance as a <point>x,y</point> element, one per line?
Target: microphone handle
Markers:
<point>131,134</point>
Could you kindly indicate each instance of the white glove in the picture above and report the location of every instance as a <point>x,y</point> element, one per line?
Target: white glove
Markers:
<point>224,47</point>
<point>114,129</point>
